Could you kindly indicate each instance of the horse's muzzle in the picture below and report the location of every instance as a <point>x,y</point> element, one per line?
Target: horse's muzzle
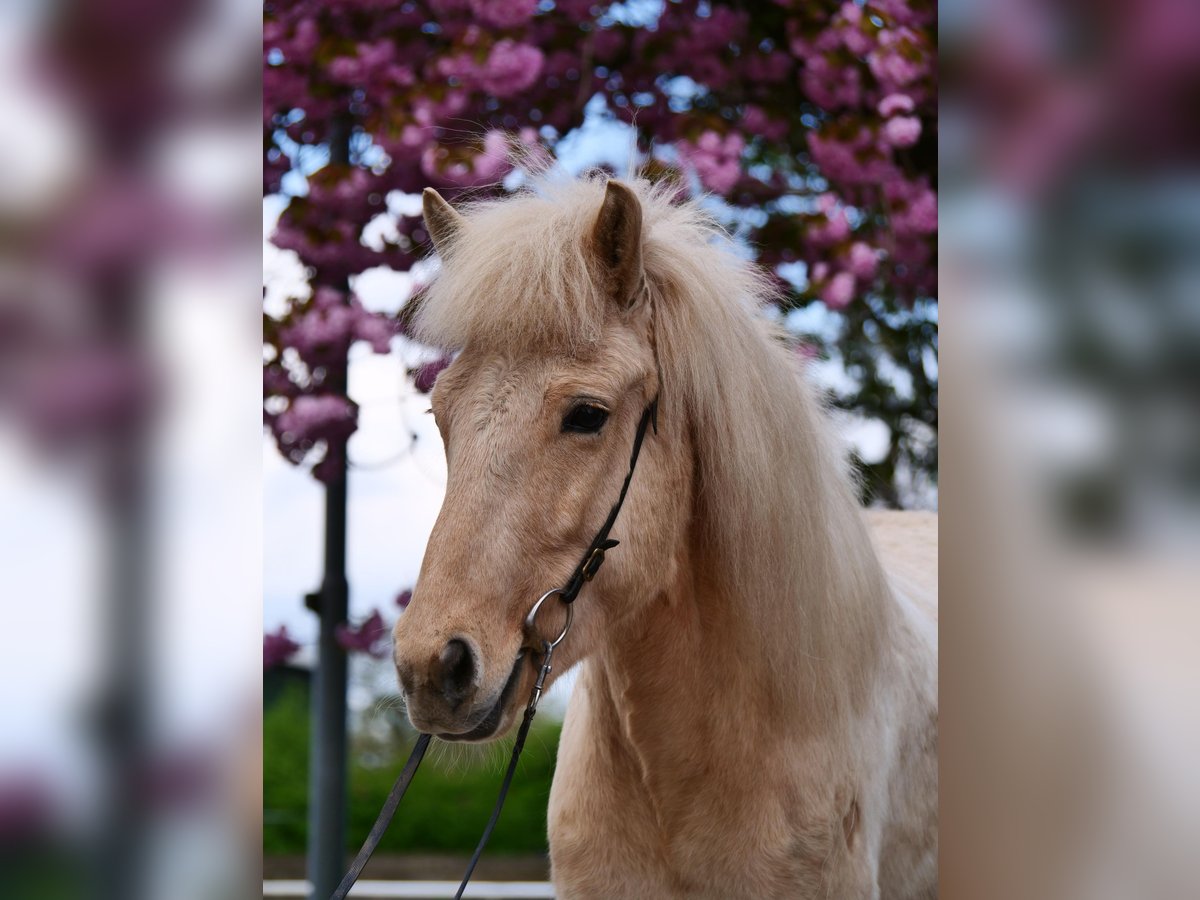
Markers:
<point>448,700</point>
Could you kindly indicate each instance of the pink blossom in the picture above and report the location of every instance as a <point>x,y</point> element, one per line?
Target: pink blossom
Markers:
<point>426,374</point>
<point>511,68</point>
<point>902,131</point>
<point>376,331</point>
<point>856,41</point>
<point>863,260</point>
<point>369,637</point>
<point>461,66</point>
<point>834,230</point>
<point>377,55</point>
<point>278,648</point>
<point>321,336</point>
<point>276,382</point>
<point>305,40</point>
<point>575,10</point>
<point>493,161</point>
<point>768,67</point>
<point>920,216</point>
<point>832,85</point>
<point>404,598</point>
<point>806,352</point>
<point>346,70</point>
<point>756,122</point>
<point>857,161</point>
<point>890,64</point>
<point>715,159</point>
<point>332,466</point>
<point>849,28</point>
<point>324,333</point>
<point>316,417</point>
<point>29,810</point>
<point>92,390</point>
<point>839,291</point>
<point>504,13</point>
<point>894,103</point>
<point>325,297</point>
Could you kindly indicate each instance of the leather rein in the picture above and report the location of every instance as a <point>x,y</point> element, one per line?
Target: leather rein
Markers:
<point>584,572</point>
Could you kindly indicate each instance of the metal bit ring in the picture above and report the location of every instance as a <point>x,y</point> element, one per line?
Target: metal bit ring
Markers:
<point>529,619</point>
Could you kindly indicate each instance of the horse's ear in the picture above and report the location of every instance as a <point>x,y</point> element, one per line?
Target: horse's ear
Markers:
<point>616,243</point>
<point>441,221</point>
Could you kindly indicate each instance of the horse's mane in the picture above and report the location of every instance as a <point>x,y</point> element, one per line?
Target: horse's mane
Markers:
<point>774,485</point>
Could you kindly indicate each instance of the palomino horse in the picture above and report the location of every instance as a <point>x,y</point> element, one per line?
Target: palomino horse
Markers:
<point>756,710</point>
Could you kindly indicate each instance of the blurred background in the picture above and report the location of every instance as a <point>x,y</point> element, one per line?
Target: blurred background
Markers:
<point>807,130</point>
<point>130,449</point>
<point>1070,270</point>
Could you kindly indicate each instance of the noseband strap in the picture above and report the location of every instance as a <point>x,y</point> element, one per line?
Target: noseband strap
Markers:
<point>588,566</point>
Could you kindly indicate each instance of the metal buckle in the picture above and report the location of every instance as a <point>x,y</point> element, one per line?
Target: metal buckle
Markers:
<point>592,566</point>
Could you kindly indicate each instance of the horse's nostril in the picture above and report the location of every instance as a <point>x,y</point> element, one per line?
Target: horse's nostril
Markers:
<point>458,671</point>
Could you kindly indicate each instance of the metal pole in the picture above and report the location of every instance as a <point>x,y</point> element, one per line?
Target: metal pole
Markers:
<point>123,726</point>
<point>327,759</point>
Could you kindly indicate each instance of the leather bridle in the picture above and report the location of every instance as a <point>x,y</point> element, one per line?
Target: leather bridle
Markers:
<point>584,572</point>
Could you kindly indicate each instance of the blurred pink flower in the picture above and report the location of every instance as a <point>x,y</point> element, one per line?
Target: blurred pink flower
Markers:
<point>894,103</point>
<point>89,391</point>
<point>511,68</point>
<point>902,131</point>
<point>346,70</point>
<point>426,374</point>
<point>806,351</point>
<point>863,260</point>
<point>857,161</point>
<point>277,383</point>
<point>324,333</point>
<point>316,417</point>
<point>830,82</point>
<point>756,121</point>
<point>504,13</point>
<point>919,216</point>
<point>278,648</point>
<point>890,64</point>
<point>404,598</point>
<point>368,637</point>
<point>28,810</point>
<point>768,67</point>
<point>715,159</point>
<point>493,161</point>
<point>839,291</point>
<point>849,28</point>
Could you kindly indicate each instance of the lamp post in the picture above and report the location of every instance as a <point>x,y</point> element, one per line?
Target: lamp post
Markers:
<point>327,756</point>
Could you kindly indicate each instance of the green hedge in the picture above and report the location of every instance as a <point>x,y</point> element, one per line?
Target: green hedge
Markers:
<point>444,810</point>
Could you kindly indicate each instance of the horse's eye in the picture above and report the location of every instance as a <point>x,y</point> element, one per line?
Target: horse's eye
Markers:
<point>585,418</point>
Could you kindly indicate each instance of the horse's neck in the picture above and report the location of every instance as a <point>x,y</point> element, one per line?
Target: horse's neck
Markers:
<point>707,668</point>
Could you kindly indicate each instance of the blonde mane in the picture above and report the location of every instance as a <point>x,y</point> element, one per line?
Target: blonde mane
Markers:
<point>781,520</point>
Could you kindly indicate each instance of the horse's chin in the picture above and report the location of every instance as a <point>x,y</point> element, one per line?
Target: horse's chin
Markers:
<point>500,716</point>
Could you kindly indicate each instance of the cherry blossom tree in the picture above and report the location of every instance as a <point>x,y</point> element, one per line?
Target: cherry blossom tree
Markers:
<point>811,124</point>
